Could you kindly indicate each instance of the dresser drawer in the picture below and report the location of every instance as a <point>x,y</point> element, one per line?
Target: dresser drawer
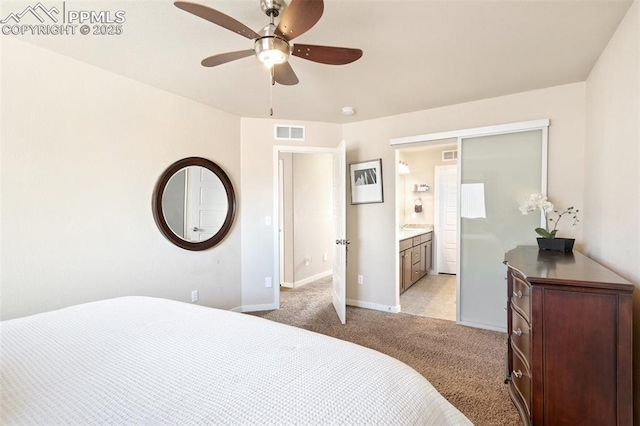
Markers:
<point>521,379</point>
<point>520,337</point>
<point>520,297</point>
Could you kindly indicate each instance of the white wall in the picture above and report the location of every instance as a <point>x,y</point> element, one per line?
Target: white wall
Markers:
<point>612,159</point>
<point>256,199</point>
<point>81,151</point>
<point>371,227</point>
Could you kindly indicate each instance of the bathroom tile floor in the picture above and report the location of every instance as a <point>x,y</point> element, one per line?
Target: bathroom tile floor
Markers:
<point>432,296</point>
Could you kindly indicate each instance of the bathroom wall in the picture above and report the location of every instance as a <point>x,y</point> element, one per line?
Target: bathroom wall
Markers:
<point>422,162</point>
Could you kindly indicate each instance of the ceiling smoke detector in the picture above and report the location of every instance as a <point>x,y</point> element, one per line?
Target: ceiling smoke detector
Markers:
<point>348,110</point>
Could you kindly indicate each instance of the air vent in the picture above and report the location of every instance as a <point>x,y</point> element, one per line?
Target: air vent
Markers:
<point>289,133</point>
<point>450,155</point>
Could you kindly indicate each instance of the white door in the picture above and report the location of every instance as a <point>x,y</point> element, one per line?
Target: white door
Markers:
<point>340,232</point>
<point>447,224</point>
<point>206,204</point>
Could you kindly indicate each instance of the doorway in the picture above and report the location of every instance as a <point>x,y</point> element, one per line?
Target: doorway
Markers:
<point>426,205</point>
<point>311,211</point>
<point>498,167</point>
<point>306,248</point>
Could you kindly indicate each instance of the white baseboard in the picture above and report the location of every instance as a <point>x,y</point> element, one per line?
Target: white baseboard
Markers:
<point>312,278</point>
<point>374,306</point>
<point>483,326</point>
<point>238,309</point>
<point>286,284</point>
<point>255,308</point>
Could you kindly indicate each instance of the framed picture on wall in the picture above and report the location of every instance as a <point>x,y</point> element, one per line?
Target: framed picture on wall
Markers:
<point>366,182</point>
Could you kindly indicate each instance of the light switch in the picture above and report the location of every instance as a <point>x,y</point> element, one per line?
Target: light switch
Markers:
<point>267,220</point>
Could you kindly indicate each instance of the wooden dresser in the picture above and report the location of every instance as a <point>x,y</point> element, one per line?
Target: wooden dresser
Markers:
<point>570,338</point>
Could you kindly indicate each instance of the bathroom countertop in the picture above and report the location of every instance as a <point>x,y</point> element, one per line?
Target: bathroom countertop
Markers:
<point>406,233</point>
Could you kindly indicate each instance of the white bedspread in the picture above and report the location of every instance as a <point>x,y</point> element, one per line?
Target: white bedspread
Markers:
<point>137,360</point>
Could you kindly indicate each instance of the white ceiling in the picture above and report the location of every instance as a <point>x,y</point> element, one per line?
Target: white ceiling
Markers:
<point>418,54</point>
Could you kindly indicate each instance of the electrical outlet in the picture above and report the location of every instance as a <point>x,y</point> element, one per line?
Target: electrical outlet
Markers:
<point>267,282</point>
<point>194,296</point>
<point>307,261</point>
<point>267,220</point>
<point>324,257</point>
<point>360,279</point>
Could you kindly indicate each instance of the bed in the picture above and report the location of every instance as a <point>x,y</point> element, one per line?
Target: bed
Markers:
<point>140,360</point>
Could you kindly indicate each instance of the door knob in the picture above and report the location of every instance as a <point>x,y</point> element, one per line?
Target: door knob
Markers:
<point>195,229</point>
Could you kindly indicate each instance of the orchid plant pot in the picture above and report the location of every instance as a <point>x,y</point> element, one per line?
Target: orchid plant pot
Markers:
<point>556,244</point>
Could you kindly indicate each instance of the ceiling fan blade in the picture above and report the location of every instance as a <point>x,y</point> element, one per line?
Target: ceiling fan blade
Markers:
<point>223,58</point>
<point>217,18</point>
<point>283,74</point>
<point>299,17</point>
<point>326,54</point>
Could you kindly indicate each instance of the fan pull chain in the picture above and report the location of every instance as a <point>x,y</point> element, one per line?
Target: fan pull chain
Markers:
<point>272,82</point>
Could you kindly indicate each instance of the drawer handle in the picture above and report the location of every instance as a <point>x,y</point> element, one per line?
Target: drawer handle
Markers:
<point>518,374</point>
<point>518,294</point>
<point>518,332</point>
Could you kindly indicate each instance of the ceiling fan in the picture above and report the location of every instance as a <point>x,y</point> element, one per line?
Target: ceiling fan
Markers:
<point>272,45</point>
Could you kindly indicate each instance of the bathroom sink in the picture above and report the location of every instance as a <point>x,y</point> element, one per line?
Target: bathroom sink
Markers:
<point>404,233</point>
<point>410,232</point>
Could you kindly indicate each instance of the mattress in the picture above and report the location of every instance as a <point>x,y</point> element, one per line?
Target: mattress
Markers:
<point>139,360</point>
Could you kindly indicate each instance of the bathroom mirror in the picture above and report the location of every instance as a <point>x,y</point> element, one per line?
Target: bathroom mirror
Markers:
<point>194,204</point>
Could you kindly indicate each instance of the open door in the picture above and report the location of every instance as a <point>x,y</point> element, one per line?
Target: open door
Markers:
<point>340,232</point>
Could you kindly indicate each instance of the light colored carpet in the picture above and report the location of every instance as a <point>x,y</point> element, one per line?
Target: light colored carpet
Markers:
<point>465,364</point>
<point>433,296</point>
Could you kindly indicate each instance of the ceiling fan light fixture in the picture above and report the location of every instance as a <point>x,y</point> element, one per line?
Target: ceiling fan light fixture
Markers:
<point>271,51</point>
<point>273,44</point>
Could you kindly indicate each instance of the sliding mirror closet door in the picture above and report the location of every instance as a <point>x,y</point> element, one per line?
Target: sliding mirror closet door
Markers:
<point>497,174</point>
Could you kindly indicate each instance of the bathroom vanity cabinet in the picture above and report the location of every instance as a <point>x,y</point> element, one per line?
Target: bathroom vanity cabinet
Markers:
<point>415,259</point>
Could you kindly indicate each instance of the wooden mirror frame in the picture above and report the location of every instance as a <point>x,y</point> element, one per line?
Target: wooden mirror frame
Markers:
<point>158,192</point>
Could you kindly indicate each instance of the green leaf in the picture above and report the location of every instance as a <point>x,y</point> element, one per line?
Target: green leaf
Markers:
<point>545,234</point>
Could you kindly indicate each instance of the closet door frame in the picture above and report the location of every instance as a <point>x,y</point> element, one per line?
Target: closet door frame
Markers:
<point>436,138</point>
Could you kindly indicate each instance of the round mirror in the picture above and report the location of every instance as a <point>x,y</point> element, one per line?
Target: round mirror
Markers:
<point>194,203</point>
